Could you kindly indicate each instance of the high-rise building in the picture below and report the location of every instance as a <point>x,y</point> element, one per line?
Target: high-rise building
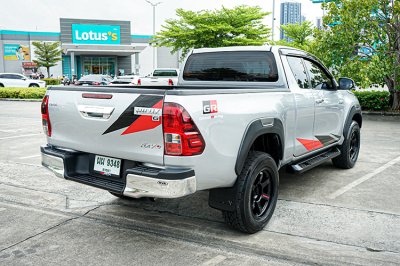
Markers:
<point>318,23</point>
<point>290,14</point>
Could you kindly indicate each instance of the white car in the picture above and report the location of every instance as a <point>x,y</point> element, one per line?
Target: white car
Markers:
<point>19,81</point>
<point>125,80</point>
<point>160,77</point>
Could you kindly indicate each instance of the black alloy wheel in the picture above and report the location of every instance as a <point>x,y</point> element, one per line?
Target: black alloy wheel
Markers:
<point>350,149</point>
<point>256,194</point>
<point>261,193</point>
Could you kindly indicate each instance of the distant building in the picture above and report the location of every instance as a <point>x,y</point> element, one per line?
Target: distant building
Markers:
<point>290,14</point>
<point>318,23</point>
<point>303,18</point>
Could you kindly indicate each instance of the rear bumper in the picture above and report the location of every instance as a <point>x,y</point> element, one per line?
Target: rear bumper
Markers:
<point>136,180</point>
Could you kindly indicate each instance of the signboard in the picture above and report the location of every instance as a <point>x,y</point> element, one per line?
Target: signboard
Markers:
<point>16,52</point>
<point>96,34</point>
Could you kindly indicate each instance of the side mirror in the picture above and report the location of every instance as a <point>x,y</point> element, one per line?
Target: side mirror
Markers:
<point>346,84</point>
<point>23,78</point>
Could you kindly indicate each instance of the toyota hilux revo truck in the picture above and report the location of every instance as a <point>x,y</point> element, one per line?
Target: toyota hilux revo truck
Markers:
<point>237,116</point>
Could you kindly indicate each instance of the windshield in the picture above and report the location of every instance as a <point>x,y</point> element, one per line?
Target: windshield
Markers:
<point>250,66</point>
<point>90,78</point>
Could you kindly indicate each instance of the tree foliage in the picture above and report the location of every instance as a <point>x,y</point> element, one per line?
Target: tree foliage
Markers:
<point>47,54</point>
<point>241,25</point>
<point>361,40</point>
<point>299,33</point>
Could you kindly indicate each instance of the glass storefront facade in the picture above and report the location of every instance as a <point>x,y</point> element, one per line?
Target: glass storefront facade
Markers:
<point>98,65</point>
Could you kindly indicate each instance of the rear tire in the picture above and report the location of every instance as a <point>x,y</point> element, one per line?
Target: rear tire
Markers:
<point>350,148</point>
<point>256,194</point>
<point>33,86</point>
<point>1,85</point>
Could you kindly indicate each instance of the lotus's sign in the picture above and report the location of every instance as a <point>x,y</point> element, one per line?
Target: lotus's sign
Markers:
<point>96,34</point>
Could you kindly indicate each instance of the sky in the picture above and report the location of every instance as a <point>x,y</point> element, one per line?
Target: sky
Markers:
<point>43,15</point>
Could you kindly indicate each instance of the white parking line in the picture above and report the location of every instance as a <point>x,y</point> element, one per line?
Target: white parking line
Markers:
<point>355,183</point>
<point>21,136</point>
<point>214,261</point>
<point>28,157</point>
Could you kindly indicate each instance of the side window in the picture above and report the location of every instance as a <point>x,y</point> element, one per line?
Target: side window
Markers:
<point>12,76</point>
<point>317,75</point>
<point>299,72</point>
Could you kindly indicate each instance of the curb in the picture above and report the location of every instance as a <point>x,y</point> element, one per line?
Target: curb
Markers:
<point>381,116</point>
<point>20,100</point>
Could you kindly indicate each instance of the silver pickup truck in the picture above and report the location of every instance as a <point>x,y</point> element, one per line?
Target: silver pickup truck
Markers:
<point>237,116</point>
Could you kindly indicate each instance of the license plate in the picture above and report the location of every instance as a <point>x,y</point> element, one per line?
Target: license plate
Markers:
<point>107,166</point>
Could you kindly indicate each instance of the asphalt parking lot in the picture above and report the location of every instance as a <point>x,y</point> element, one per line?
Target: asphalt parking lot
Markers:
<point>325,216</point>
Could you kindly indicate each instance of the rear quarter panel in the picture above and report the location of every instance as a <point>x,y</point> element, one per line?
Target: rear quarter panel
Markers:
<point>224,130</point>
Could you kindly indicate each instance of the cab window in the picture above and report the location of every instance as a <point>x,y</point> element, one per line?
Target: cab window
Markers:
<point>299,72</point>
<point>318,78</point>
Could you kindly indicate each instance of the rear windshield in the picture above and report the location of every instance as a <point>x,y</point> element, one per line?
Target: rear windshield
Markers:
<point>165,73</point>
<point>90,78</point>
<point>251,66</point>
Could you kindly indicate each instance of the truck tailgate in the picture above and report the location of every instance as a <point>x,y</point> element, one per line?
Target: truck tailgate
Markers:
<point>119,123</point>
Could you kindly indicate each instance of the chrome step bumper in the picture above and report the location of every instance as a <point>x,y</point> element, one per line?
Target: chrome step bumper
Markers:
<point>136,182</point>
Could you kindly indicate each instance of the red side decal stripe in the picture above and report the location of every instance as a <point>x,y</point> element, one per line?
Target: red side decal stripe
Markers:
<point>310,144</point>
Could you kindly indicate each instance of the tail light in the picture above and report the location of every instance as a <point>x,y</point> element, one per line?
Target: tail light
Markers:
<point>181,135</point>
<point>170,82</point>
<point>139,82</point>
<point>45,116</point>
<point>95,83</point>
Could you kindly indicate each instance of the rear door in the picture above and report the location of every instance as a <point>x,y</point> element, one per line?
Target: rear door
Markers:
<point>305,106</point>
<point>118,123</point>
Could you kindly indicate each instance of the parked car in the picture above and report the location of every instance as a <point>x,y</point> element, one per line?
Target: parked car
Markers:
<point>125,80</point>
<point>160,77</point>
<point>237,116</point>
<point>96,80</point>
<point>19,81</point>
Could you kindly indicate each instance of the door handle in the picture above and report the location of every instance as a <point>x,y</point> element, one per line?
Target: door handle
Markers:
<point>319,101</point>
<point>96,111</point>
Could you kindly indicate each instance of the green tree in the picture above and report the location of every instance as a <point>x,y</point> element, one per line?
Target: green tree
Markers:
<point>217,28</point>
<point>47,54</point>
<point>298,33</point>
<point>362,41</point>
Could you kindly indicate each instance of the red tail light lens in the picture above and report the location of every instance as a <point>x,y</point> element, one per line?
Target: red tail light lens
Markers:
<point>181,135</point>
<point>45,116</point>
<point>139,82</point>
<point>170,82</point>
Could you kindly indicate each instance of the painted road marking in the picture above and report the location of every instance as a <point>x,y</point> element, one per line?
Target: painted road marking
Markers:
<point>2,209</point>
<point>28,157</point>
<point>215,260</point>
<point>357,182</point>
<point>21,136</point>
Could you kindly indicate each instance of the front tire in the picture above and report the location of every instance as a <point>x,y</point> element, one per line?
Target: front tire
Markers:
<point>1,85</point>
<point>349,149</point>
<point>256,194</point>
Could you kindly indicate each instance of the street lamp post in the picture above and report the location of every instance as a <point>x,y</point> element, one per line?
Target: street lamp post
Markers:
<point>273,19</point>
<point>154,29</point>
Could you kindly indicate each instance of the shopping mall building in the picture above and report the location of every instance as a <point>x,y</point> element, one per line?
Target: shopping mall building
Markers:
<point>88,47</point>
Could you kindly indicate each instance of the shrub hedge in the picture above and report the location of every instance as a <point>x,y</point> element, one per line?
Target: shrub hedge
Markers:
<point>22,93</point>
<point>51,81</point>
<point>373,100</point>
<point>369,100</point>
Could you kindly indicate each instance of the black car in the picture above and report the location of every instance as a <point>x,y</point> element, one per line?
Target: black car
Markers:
<point>96,80</point>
